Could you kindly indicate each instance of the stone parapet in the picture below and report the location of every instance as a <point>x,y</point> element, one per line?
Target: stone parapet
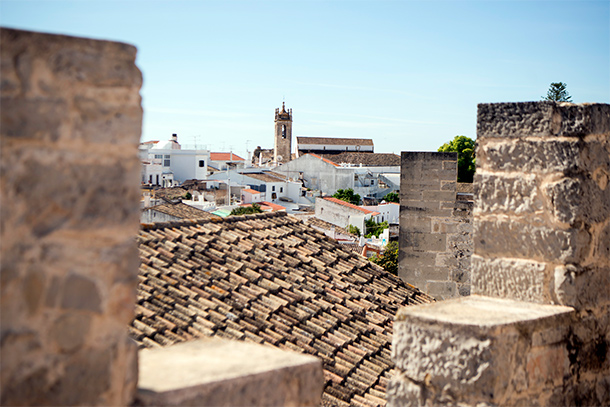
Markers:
<point>435,228</point>
<point>480,351</point>
<point>70,123</point>
<point>215,372</point>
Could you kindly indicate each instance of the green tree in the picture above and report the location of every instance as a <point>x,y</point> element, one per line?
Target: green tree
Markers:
<point>392,197</point>
<point>347,195</point>
<point>389,259</point>
<point>558,93</point>
<point>464,146</point>
<point>353,230</point>
<point>245,210</point>
<point>373,228</point>
<point>188,196</point>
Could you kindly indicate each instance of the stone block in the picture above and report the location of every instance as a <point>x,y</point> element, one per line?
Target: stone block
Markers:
<point>514,194</point>
<point>421,224</point>
<point>433,242</point>
<point>519,238</point>
<point>529,156</point>
<point>517,279</point>
<point>213,372</point>
<point>441,290</point>
<point>542,119</point>
<point>435,196</point>
<point>474,351</point>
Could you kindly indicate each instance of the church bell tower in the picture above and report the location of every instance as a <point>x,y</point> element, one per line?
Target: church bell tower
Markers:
<point>283,135</point>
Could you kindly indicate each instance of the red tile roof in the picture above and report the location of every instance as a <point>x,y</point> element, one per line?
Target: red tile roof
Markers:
<point>250,191</point>
<point>225,157</point>
<point>335,141</point>
<point>272,206</point>
<point>324,159</point>
<point>349,205</point>
<point>269,278</point>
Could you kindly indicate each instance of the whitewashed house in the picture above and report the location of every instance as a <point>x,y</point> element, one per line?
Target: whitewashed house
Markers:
<point>165,160</point>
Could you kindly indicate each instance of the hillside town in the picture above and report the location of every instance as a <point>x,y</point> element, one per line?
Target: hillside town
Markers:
<point>301,183</point>
<point>324,273</point>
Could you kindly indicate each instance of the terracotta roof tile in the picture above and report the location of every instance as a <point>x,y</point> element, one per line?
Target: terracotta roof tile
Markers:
<point>268,278</point>
<point>335,141</point>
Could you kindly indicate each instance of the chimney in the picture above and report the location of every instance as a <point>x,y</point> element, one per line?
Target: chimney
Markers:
<point>175,137</point>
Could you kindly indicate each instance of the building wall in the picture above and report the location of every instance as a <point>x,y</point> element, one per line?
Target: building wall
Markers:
<point>70,125</point>
<point>340,215</point>
<point>318,174</point>
<point>435,228</point>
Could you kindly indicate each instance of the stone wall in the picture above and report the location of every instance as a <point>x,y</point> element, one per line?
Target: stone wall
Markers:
<point>435,227</point>
<point>70,126</point>
<point>542,258</point>
<point>542,221</point>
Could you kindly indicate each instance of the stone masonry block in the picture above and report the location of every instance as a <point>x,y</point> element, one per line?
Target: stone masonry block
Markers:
<point>515,194</point>
<point>542,119</point>
<point>433,242</point>
<point>529,156</point>
<point>478,351</point>
<point>441,290</point>
<point>517,279</point>
<point>213,372</point>
<point>519,239</point>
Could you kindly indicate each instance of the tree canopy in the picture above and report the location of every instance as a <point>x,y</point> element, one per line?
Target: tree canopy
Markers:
<point>558,93</point>
<point>392,197</point>
<point>245,210</point>
<point>347,195</point>
<point>373,228</point>
<point>389,259</point>
<point>464,146</point>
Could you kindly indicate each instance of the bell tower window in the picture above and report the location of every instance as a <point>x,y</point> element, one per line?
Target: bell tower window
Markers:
<point>283,131</point>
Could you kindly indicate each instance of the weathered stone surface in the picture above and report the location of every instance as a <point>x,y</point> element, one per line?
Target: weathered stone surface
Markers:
<point>542,119</point>
<point>81,293</point>
<point>435,228</point>
<point>505,238</point>
<point>514,194</point>
<point>477,350</point>
<point>70,124</point>
<point>216,372</point>
<point>510,278</point>
<point>529,156</point>
<point>70,331</point>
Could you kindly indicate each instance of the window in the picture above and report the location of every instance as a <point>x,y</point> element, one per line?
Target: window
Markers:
<point>281,189</point>
<point>283,131</point>
<point>372,182</point>
<point>273,188</point>
<point>150,179</point>
<point>201,163</point>
<point>157,179</point>
<point>158,155</point>
<point>274,196</point>
<point>166,160</point>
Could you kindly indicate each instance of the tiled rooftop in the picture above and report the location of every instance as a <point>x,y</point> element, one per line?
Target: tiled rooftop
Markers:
<point>349,205</point>
<point>271,279</point>
<point>225,157</point>
<point>183,211</point>
<point>367,159</point>
<point>322,224</point>
<point>335,141</point>
<point>266,176</point>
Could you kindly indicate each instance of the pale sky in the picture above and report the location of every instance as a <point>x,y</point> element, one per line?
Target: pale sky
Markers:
<point>408,74</point>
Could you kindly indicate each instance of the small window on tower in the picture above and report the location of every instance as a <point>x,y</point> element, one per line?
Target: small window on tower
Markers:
<point>201,163</point>
<point>283,131</point>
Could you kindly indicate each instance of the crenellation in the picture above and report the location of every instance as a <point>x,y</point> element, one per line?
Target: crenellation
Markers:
<point>71,122</point>
<point>435,231</point>
<point>541,232</point>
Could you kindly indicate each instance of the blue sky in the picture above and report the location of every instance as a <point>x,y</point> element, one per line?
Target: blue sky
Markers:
<point>408,74</point>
